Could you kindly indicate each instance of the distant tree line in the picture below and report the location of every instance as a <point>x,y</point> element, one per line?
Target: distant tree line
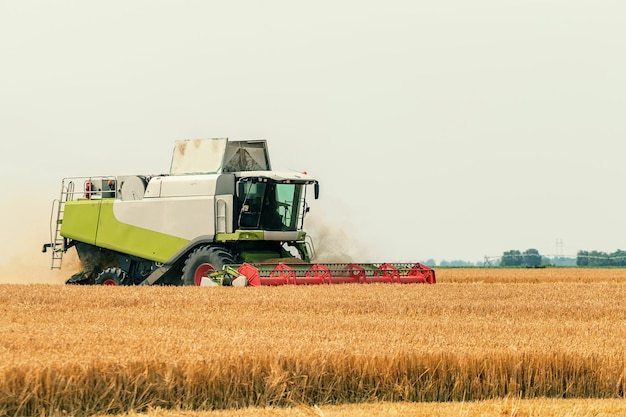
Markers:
<point>596,258</point>
<point>531,258</point>
<point>528,258</point>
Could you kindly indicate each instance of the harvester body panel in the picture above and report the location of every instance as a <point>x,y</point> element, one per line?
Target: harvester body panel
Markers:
<point>124,229</point>
<point>109,232</point>
<point>80,220</point>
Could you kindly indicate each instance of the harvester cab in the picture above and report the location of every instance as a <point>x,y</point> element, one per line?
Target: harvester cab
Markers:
<point>264,199</point>
<point>220,211</point>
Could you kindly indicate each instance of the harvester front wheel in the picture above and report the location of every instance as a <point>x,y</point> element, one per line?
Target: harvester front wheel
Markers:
<point>111,276</point>
<point>204,260</point>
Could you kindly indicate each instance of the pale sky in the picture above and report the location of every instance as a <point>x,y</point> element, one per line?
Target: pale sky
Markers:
<point>438,129</point>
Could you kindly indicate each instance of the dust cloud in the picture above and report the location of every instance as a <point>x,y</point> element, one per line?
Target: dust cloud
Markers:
<point>332,243</point>
<point>28,269</point>
<point>26,229</point>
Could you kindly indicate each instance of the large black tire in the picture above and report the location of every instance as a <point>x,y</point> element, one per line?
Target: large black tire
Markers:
<point>112,276</point>
<point>204,260</point>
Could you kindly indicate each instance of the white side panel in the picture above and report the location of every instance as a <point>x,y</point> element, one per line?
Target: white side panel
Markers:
<point>154,188</point>
<point>182,186</point>
<point>185,217</point>
<point>224,217</point>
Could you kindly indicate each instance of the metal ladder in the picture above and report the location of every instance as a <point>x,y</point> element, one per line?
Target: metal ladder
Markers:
<point>57,242</point>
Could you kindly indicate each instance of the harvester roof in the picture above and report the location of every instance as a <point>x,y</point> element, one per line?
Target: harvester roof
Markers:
<point>277,176</point>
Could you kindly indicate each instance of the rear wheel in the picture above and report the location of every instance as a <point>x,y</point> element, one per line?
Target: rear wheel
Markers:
<point>204,260</point>
<point>112,276</point>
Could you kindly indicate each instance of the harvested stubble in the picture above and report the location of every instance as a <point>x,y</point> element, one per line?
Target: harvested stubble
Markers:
<point>103,349</point>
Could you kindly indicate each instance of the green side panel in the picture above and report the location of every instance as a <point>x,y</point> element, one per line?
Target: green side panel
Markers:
<point>240,235</point>
<point>80,220</point>
<point>134,240</point>
<point>258,256</point>
<point>247,235</point>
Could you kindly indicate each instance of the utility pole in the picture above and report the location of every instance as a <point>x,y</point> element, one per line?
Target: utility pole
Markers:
<point>559,248</point>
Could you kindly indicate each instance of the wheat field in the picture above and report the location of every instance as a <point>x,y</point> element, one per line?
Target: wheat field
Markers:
<point>511,407</point>
<point>479,334</point>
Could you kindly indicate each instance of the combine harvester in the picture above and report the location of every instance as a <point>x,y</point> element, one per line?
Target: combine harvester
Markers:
<point>220,217</point>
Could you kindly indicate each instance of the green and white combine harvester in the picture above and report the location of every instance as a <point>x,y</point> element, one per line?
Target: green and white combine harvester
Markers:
<point>220,217</point>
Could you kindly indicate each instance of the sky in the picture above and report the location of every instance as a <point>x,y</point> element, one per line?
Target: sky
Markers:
<point>438,130</point>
